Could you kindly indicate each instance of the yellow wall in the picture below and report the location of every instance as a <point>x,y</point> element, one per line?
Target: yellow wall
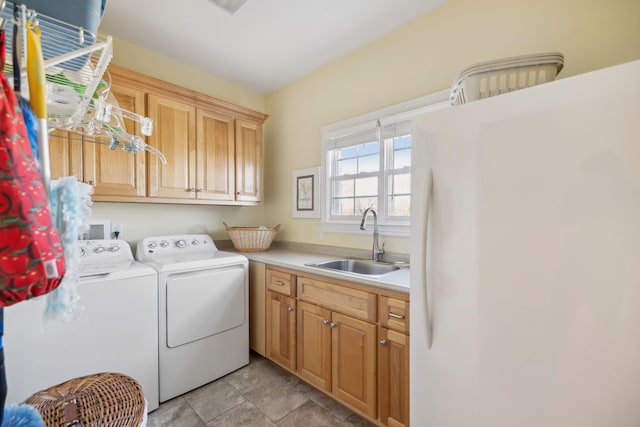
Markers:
<point>142,220</point>
<point>419,58</point>
<point>163,68</point>
<point>423,57</point>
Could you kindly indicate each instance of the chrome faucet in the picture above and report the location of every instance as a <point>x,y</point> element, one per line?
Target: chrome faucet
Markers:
<point>377,250</point>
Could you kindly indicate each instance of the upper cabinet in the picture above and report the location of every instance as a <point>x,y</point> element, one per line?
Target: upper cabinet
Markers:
<point>214,149</point>
<point>215,155</point>
<point>248,161</point>
<point>174,134</point>
<point>116,173</point>
<point>65,154</point>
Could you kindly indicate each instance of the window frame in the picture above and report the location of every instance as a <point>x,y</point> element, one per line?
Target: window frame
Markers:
<point>405,111</point>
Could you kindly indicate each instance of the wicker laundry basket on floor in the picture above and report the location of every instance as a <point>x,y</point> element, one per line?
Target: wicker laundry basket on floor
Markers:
<point>104,400</point>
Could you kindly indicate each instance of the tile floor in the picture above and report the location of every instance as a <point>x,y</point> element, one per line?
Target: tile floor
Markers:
<point>259,394</point>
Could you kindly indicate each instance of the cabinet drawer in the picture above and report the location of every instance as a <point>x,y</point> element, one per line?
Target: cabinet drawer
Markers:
<point>349,301</point>
<point>281,282</point>
<point>394,314</point>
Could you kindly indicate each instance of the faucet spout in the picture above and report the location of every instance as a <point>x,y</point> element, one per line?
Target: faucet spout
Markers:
<point>377,250</point>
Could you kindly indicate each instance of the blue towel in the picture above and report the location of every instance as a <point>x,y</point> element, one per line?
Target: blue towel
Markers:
<point>71,209</point>
<point>21,416</point>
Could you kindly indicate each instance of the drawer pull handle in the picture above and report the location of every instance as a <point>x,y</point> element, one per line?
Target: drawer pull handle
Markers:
<point>279,283</point>
<point>333,325</point>
<point>396,316</point>
<point>325,322</point>
<point>289,309</point>
<point>382,342</point>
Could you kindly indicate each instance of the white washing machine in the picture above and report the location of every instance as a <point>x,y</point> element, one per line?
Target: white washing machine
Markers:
<point>203,310</point>
<point>116,332</point>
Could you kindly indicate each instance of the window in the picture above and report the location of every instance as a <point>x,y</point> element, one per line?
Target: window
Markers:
<point>367,163</point>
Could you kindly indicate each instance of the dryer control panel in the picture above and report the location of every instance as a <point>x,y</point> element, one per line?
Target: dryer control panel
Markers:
<point>175,245</point>
<point>103,256</point>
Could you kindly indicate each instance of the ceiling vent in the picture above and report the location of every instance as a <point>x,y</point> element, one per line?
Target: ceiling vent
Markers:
<point>230,6</point>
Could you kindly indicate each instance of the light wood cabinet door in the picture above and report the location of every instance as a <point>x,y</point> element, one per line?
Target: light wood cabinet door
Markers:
<point>393,378</point>
<point>257,307</point>
<point>65,154</point>
<point>174,134</point>
<point>215,153</point>
<point>314,345</point>
<point>117,172</point>
<point>281,330</point>
<point>248,161</point>
<point>354,362</point>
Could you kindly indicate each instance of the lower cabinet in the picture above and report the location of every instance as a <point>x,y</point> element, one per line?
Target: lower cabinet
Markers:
<point>337,353</point>
<point>257,314</point>
<point>345,340</point>
<point>393,377</point>
<point>281,329</point>
<point>314,345</point>
<point>354,362</point>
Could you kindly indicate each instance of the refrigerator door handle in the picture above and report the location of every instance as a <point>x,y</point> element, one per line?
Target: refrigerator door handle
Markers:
<point>424,235</point>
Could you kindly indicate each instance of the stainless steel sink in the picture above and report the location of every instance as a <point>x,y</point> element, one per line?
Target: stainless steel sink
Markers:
<point>356,266</point>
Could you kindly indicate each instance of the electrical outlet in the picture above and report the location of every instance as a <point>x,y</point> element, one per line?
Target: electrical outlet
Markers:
<point>116,231</point>
<point>319,233</point>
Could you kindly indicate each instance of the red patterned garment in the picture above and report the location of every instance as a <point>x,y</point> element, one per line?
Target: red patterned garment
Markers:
<point>31,253</point>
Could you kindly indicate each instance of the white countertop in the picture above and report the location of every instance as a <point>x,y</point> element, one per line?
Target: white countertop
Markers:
<point>395,281</point>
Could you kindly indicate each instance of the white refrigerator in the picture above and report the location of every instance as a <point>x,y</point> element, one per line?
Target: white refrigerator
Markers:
<point>525,257</point>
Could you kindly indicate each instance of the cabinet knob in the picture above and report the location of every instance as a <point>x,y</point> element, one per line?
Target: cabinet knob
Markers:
<point>289,309</point>
<point>325,322</point>
<point>382,342</point>
<point>189,190</point>
<point>200,190</point>
<point>90,182</point>
<point>333,325</point>
<point>279,283</point>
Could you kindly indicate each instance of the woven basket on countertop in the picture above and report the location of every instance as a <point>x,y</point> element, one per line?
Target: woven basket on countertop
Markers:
<point>105,400</point>
<point>252,239</point>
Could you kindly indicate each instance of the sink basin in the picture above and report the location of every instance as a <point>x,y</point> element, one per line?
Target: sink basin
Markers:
<point>356,266</point>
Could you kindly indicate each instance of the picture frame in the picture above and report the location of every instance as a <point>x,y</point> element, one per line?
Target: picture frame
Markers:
<point>305,193</point>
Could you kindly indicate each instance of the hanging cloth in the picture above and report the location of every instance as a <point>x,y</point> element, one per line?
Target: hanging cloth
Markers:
<point>31,254</point>
<point>71,207</point>
<point>3,371</point>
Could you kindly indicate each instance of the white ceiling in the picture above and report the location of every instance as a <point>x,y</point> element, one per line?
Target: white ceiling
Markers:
<point>266,44</point>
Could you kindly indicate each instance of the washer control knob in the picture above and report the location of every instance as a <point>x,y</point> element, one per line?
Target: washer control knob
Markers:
<point>181,243</point>
<point>152,245</point>
<point>164,243</point>
<point>114,248</point>
<point>99,249</point>
<point>195,242</point>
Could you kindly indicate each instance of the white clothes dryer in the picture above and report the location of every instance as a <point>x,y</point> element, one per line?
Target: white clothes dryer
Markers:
<point>117,330</point>
<point>203,310</point>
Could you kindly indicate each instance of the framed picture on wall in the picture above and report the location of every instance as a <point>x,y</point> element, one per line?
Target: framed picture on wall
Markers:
<point>305,193</point>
